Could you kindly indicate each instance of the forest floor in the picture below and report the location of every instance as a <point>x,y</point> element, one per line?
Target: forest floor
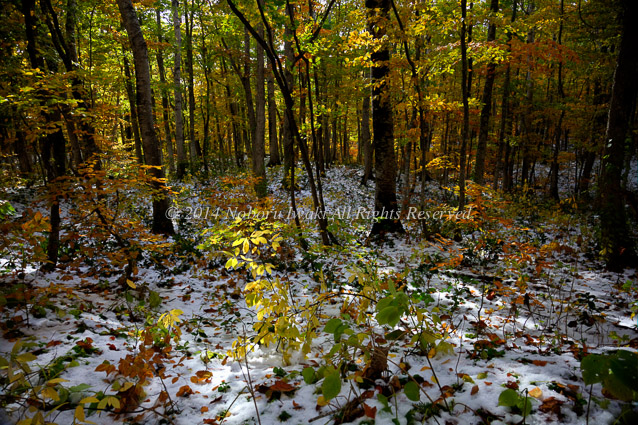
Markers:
<point>462,320</point>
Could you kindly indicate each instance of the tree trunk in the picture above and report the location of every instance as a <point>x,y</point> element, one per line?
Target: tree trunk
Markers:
<point>502,165</point>
<point>259,141</point>
<point>177,87</point>
<point>366,140</point>
<point>248,93</point>
<point>486,100</point>
<point>386,210</point>
<point>273,140</point>
<point>555,169</point>
<point>194,148</point>
<point>287,136</point>
<point>617,246</point>
<point>165,102</point>
<point>466,109</point>
<point>130,91</point>
<point>152,153</point>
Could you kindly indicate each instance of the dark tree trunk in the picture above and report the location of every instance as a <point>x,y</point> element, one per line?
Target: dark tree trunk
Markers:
<point>287,136</point>
<point>248,93</point>
<point>386,208</point>
<point>486,100</point>
<point>177,87</point>
<point>152,153</point>
<point>165,103</point>
<point>466,109</point>
<point>366,140</point>
<point>615,239</point>
<point>52,145</point>
<point>502,164</point>
<point>194,147</point>
<point>259,142</point>
<point>273,140</point>
<point>130,92</point>
<point>555,169</point>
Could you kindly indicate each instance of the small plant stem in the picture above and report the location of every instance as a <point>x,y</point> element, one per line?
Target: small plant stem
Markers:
<point>427,357</point>
<point>591,387</point>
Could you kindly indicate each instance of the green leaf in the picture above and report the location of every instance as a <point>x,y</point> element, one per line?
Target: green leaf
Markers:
<point>340,330</point>
<point>79,388</point>
<point>389,315</point>
<point>309,375</point>
<point>332,326</point>
<point>525,404</point>
<point>154,300</point>
<point>412,391</point>
<point>394,335</point>
<point>384,400</point>
<point>508,398</point>
<point>624,366</point>
<point>595,368</point>
<point>331,385</point>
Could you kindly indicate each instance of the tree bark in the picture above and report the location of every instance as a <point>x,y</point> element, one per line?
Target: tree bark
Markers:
<point>617,246</point>
<point>366,140</point>
<point>152,153</point>
<point>273,140</point>
<point>486,100</point>
<point>130,92</point>
<point>259,141</point>
<point>165,103</point>
<point>177,87</point>
<point>386,208</point>
<point>466,109</point>
<point>194,148</point>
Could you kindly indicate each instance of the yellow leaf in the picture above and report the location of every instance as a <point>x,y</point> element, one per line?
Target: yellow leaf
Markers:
<point>321,401</point>
<point>130,284</point>
<point>536,393</point>
<point>79,414</point>
<point>113,401</point>
<point>89,400</point>
<point>126,386</point>
<point>56,381</point>
<point>102,404</point>
<point>51,393</point>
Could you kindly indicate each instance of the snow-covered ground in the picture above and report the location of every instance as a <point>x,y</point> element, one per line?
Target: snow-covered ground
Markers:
<point>518,310</point>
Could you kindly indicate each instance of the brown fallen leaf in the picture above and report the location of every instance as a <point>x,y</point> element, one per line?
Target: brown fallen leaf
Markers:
<point>475,389</point>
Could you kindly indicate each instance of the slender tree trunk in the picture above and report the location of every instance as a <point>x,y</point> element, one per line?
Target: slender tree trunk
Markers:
<point>385,204</point>
<point>152,153</point>
<point>130,91</point>
<point>273,140</point>
<point>177,87</point>
<point>194,147</point>
<point>617,246</point>
<point>287,136</point>
<point>165,102</point>
<point>486,100</point>
<point>259,141</point>
<point>466,109</point>
<point>248,93</point>
<point>502,165</point>
<point>555,169</point>
<point>366,140</point>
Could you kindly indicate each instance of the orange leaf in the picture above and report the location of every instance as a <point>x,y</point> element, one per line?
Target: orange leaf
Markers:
<point>282,386</point>
<point>184,391</point>
<point>204,409</point>
<point>536,393</point>
<point>296,406</point>
<point>540,362</point>
<point>370,412</point>
<point>475,389</point>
